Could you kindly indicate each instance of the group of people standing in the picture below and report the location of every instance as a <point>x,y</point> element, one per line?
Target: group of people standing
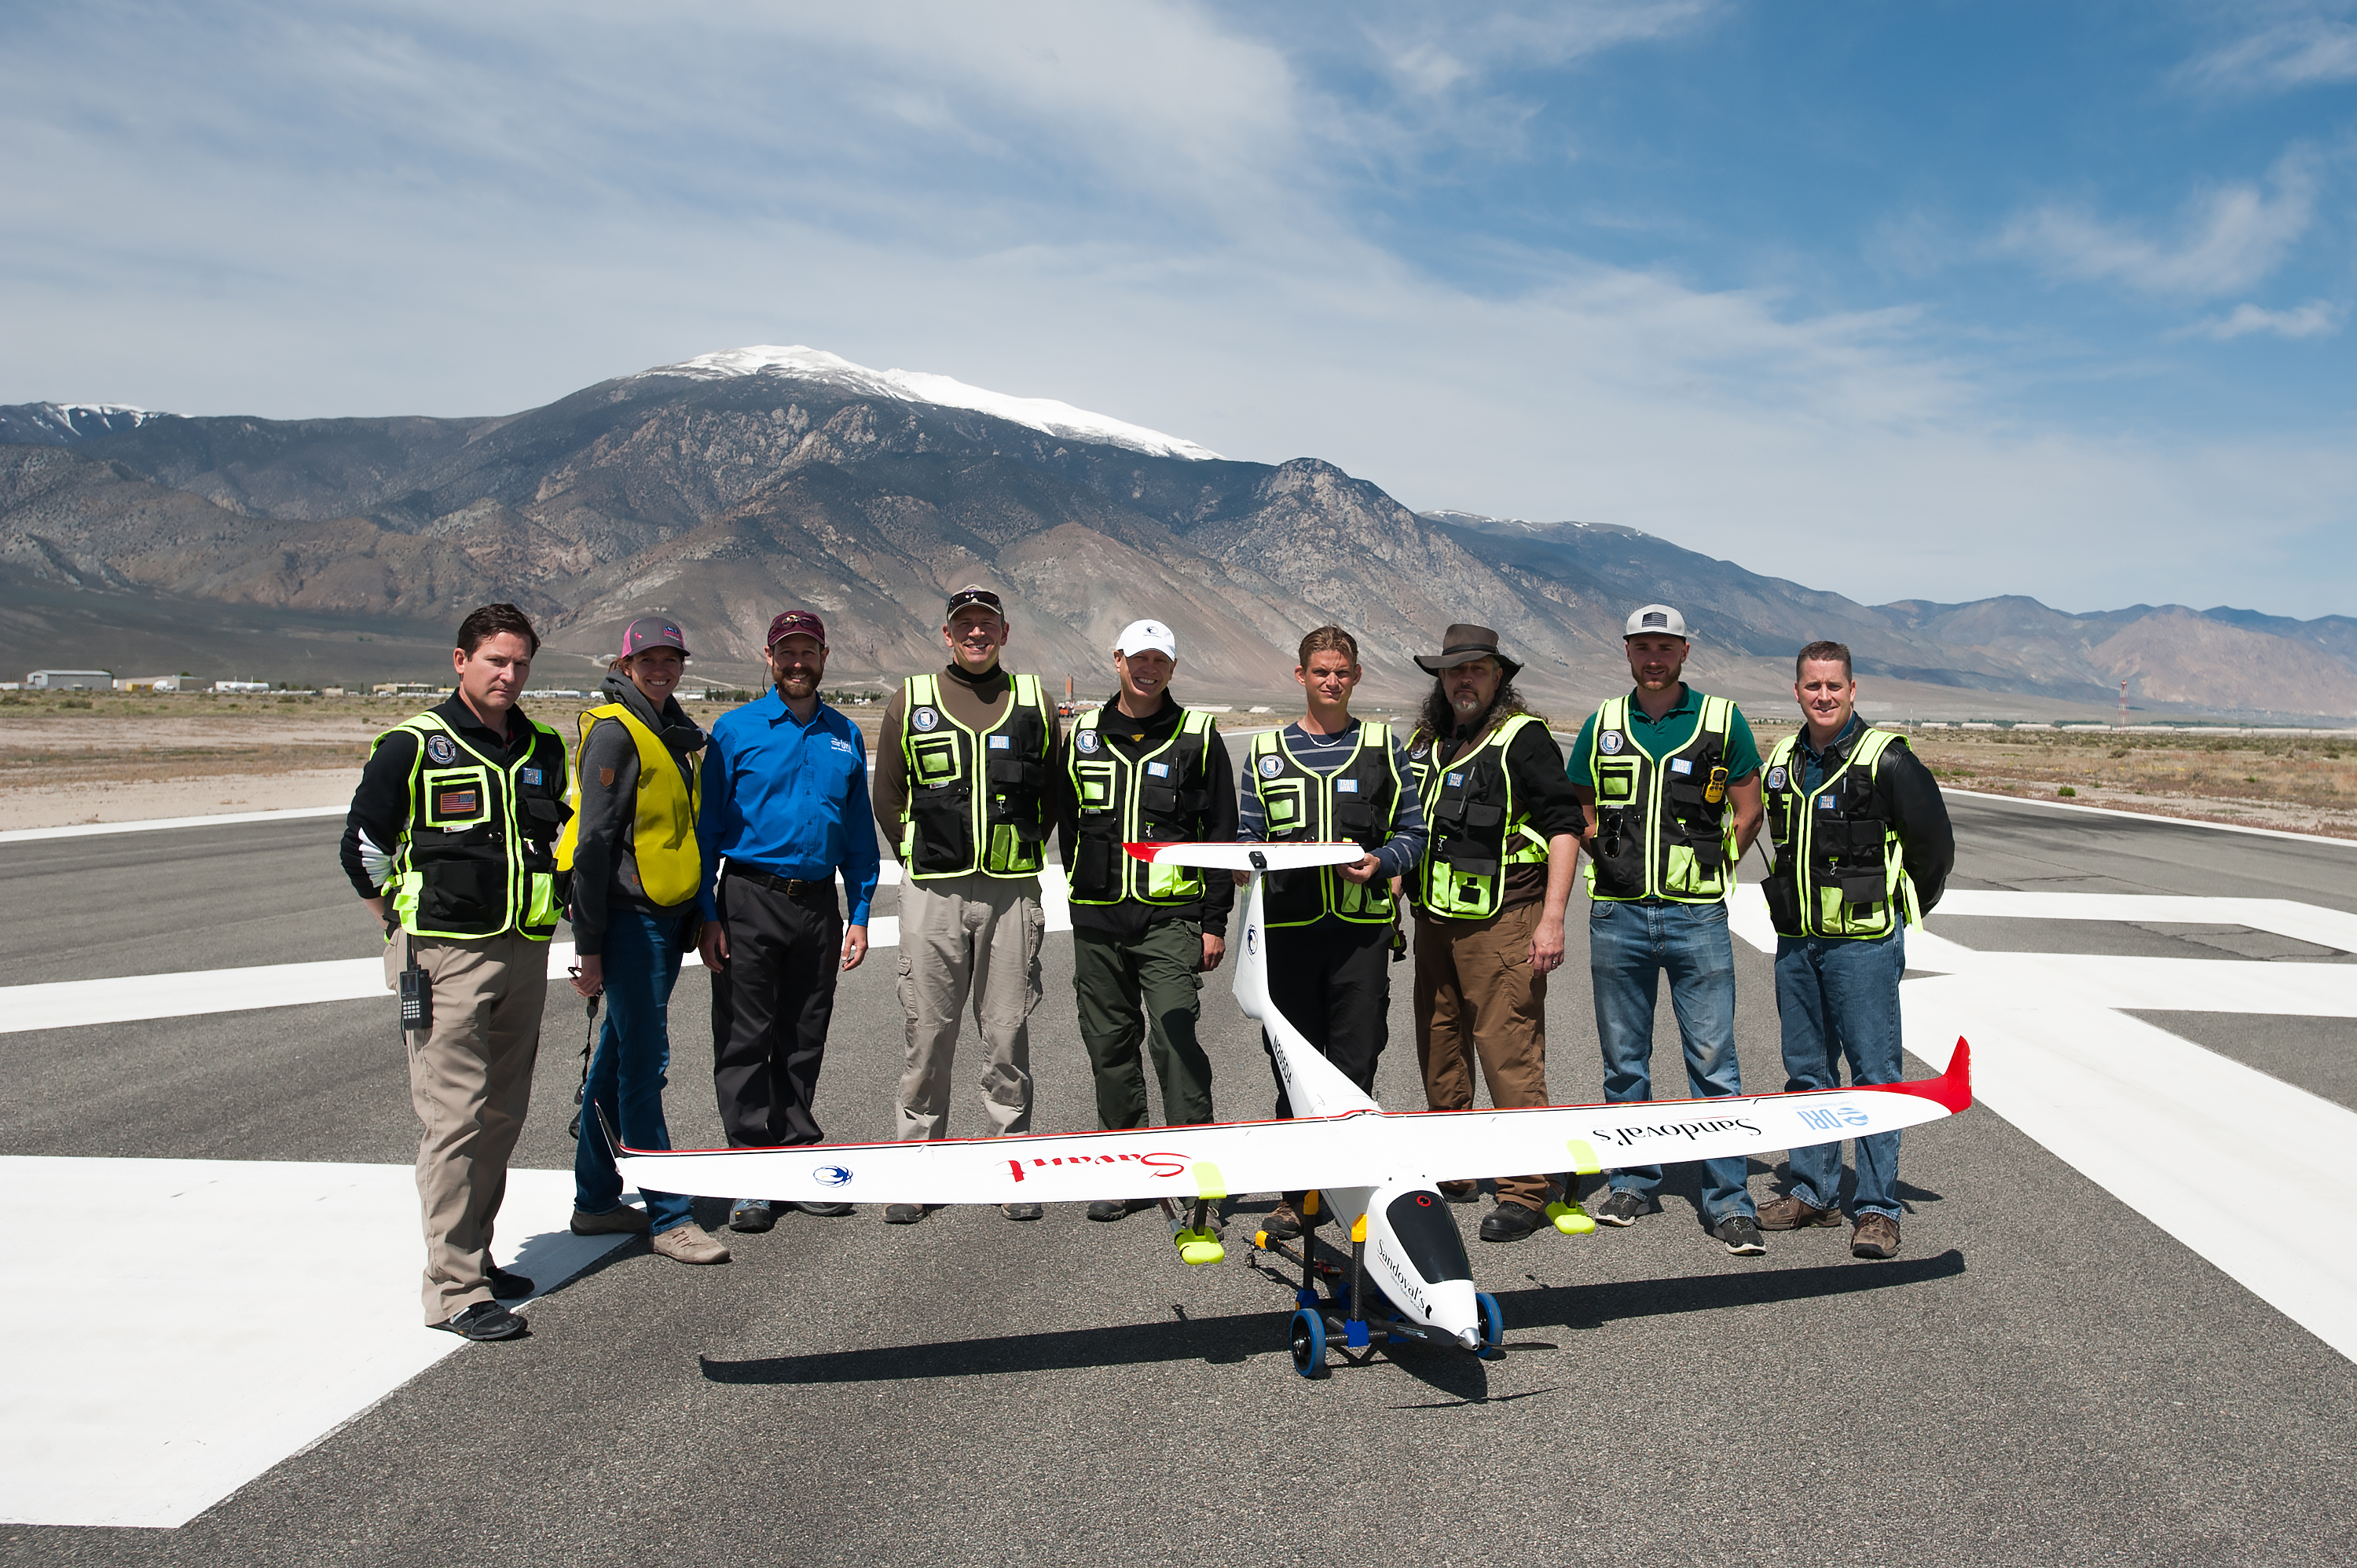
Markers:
<point>1468,817</point>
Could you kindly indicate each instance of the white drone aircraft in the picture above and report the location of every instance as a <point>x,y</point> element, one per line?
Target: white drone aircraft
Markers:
<point>1378,1170</point>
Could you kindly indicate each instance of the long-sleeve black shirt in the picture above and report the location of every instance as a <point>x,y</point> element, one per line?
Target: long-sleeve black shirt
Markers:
<point>1134,739</point>
<point>1906,796</point>
<point>381,805</point>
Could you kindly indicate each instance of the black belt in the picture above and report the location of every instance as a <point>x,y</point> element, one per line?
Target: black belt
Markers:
<point>791,886</point>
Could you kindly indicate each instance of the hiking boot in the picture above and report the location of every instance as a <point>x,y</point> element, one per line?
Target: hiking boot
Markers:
<point>508,1286</point>
<point>752,1214</point>
<point>1793,1212</point>
<point>1460,1191</point>
<point>484,1320</point>
<point>1284,1222</point>
<point>1620,1208</point>
<point>811,1206</point>
<point>622,1221</point>
<point>690,1243</point>
<point>1742,1234</point>
<point>903,1213</point>
<point>1021,1210</point>
<point>1877,1236</point>
<point>1511,1223</point>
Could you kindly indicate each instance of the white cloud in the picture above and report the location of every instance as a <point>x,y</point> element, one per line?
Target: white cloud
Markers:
<point>2308,46</point>
<point>1141,210</point>
<point>2316,318</point>
<point>2229,237</point>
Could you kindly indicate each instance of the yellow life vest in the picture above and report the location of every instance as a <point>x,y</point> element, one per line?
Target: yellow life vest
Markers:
<point>662,826</point>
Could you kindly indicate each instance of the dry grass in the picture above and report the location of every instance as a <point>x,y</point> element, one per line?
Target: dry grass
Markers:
<point>2304,783</point>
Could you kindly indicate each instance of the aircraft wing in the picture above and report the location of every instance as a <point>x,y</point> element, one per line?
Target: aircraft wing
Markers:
<point>1363,1148</point>
<point>1074,1167</point>
<point>1238,856</point>
<point>1462,1145</point>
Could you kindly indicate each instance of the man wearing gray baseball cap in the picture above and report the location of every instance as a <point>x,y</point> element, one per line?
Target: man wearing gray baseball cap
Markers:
<point>1668,780</point>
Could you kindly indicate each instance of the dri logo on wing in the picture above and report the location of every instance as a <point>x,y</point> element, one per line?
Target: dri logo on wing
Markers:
<point>831,1175</point>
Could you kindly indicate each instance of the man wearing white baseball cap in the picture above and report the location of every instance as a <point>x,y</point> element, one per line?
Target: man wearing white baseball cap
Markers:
<point>1668,780</point>
<point>1145,769</point>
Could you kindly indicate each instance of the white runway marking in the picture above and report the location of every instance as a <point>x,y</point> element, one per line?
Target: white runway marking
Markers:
<point>150,825</point>
<point>2168,1128</point>
<point>74,1003</point>
<point>156,1370</point>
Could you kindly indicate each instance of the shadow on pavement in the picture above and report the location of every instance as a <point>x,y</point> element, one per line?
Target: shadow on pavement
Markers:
<point>1592,1305</point>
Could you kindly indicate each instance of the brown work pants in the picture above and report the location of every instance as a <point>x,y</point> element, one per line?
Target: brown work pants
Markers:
<point>968,938</point>
<point>470,1081</point>
<point>1477,996</point>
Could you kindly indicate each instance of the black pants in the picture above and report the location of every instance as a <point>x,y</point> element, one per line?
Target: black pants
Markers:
<point>770,1008</point>
<point>1333,982</point>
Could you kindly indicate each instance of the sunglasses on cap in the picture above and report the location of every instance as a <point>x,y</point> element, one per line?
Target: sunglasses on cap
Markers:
<point>966,596</point>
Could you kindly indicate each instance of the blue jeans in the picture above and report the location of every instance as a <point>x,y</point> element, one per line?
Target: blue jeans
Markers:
<point>1630,947</point>
<point>627,1074</point>
<point>1839,997</point>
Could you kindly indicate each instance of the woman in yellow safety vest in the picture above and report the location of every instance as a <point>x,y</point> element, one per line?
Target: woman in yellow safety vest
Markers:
<point>631,851</point>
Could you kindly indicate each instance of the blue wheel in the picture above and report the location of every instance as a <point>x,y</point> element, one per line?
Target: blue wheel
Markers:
<point>1309,1343</point>
<point>1493,1320</point>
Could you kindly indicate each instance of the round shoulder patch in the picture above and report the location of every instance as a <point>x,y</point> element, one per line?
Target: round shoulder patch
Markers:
<point>1609,742</point>
<point>1086,742</point>
<point>1776,778</point>
<point>1270,766</point>
<point>440,751</point>
<point>1423,744</point>
<point>923,719</point>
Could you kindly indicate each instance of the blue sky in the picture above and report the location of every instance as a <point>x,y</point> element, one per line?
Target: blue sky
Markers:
<point>1903,300</point>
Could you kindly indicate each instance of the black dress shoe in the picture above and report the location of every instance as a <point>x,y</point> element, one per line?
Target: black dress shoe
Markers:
<point>508,1286</point>
<point>484,1320</point>
<point>824,1210</point>
<point>1511,1222</point>
<point>1118,1207</point>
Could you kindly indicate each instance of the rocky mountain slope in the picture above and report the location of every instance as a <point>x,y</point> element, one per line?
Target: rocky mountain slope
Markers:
<point>724,488</point>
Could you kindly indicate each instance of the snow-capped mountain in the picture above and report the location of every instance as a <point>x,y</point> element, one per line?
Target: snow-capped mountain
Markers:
<point>62,423</point>
<point>1041,414</point>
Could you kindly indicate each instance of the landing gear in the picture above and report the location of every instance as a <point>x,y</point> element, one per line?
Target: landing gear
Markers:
<point>1308,1334</point>
<point>1493,1324</point>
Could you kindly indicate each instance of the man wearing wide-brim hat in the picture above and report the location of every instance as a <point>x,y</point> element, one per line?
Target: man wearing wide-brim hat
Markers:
<point>1489,895</point>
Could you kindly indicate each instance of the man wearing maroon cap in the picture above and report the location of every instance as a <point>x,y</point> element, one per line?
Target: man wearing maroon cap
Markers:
<point>785,807</point>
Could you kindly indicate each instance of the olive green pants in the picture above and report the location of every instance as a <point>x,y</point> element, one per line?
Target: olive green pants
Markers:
<point>1144,989</point>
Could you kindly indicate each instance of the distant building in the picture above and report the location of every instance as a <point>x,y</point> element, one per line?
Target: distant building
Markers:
<point>241,685</point>
<point>71,681</point>
<point>164,683</point>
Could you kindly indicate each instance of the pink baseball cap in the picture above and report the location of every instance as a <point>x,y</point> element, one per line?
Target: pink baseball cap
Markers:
<point>794,623</point>
<point>653,631</point>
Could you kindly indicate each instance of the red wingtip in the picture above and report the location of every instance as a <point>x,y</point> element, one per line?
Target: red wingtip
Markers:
<point>1144,851</point>
<point>1952,1088</point>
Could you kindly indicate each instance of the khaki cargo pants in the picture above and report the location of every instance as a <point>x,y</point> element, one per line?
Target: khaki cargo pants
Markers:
<point>470,1081</point>
<point>1478,998</point>
<point>964,937</point>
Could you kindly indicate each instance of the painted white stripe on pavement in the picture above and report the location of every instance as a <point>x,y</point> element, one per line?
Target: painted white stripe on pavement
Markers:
<point>227,819</point>
<point>74,1004</point>
<point>2148,817</point>
<point>2161,1123</point>
<point>151,1377</point>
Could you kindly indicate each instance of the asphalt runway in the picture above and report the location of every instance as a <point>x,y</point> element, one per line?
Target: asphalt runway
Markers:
<point>2045,1375</point>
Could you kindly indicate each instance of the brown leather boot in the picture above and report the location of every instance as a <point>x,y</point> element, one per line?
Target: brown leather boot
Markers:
<point>1877,1236</point>
<point>1790,1213</point>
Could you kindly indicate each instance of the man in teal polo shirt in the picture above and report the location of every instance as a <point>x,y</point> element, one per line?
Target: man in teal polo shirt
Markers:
<point>1668,779</point>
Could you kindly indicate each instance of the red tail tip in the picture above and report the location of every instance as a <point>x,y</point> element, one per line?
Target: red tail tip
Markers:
<point>1952,1088</point>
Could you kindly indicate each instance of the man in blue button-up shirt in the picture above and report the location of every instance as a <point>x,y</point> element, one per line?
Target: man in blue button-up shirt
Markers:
<point>785,806</point>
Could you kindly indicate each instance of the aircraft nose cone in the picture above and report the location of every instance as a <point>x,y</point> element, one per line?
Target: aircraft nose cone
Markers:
<point>1468,1338</point>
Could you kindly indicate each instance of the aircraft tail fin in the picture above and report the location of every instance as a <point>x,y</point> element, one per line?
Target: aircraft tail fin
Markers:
<point>1953,1090</point>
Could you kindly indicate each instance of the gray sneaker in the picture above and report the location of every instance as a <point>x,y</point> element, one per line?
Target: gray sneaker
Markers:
<point>1742,1234</point>
<point>690,1243</point>
<point>903,1213</point>
<point>753,1214</point>
<point>1021,1210</point>
<point>1620,1207</point>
